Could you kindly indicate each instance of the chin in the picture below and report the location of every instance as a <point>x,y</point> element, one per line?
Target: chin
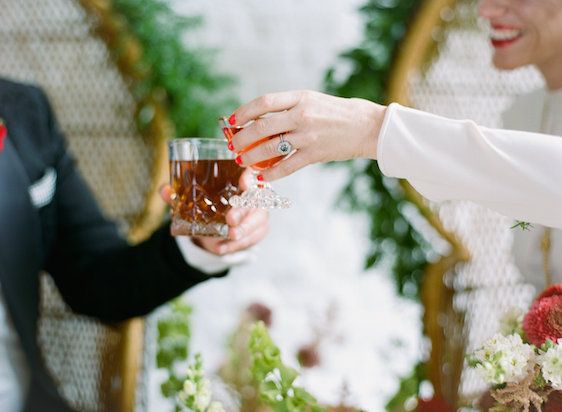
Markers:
<point>506,63</point>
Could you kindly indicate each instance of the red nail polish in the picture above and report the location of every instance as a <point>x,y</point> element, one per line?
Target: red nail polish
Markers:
<point>230,146</point>
<point>260,178</point>
<point>238,160</point>
<point>3,133</point>
<point>232,119</point>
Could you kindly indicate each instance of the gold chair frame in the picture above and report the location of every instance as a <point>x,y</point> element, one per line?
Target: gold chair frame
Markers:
<point>112,28</point>
<point>442,66</point>
<point>436,296</point>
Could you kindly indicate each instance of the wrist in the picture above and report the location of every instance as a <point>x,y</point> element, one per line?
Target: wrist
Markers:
<point>373,118</point>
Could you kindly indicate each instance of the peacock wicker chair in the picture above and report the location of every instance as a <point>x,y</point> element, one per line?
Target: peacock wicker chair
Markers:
<point>444,67</point>
<point>80,52</point>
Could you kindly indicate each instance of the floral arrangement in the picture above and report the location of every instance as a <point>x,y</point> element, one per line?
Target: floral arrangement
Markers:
<point>196,393</point>
<point>277,387</point>
<point>523,364</point>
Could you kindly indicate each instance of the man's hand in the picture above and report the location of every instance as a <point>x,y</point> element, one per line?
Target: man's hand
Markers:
<point>247,227</point>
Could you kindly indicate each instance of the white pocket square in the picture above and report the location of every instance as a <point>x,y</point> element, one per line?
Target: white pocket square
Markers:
<point>43,190</point>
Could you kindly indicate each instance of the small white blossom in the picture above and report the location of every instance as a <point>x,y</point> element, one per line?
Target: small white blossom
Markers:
<point>203,398</point>
<point>215,407</point>
<point>551,365</point>
<point>189,388</point>
<point>182,396</point>
<point>503,359</point>
<point>512,322</point>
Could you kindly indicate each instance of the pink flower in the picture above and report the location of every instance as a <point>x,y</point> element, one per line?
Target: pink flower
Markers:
<point>544,319</point>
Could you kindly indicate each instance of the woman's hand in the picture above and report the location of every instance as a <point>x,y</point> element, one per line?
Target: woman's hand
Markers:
<point>247,227</point>
<point>320,127</point>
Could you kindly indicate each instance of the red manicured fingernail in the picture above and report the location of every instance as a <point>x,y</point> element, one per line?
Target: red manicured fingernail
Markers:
<point>238,160</point>
<point>230,146</point>
<point>260,178</point>
<point>232,119</point>
<point>227,133</point>
<point>3,134</point>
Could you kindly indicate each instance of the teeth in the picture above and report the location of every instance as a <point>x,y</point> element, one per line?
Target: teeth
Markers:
<point>504,34</point>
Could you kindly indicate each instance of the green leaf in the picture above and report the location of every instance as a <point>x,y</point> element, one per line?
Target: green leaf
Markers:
<point>276,380</point>
<point>194,92</point>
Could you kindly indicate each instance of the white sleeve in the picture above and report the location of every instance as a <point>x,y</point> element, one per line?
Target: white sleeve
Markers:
<point>207,262</point>
<point>518,174</point>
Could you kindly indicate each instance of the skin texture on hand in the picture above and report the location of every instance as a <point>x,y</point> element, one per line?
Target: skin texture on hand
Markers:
<point>320,127</point>
<point>247,227</point>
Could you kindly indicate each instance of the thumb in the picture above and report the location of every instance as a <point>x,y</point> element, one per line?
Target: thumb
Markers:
<point>167,194</point>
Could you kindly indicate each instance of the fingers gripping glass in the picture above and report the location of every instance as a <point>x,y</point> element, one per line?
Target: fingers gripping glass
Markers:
<point>260,195</point>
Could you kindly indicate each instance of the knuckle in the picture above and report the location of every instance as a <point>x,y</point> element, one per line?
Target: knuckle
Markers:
<point>313,138</point>
<point>305,95</point>
<point>304,115</point>
<point>271,147</point>
<point>266,101</point>
<point>261,126</point>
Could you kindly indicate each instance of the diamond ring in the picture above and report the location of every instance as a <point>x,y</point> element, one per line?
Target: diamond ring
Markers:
<point>284,147</point>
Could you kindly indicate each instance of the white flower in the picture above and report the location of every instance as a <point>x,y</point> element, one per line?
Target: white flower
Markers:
<point>189,388</point>
<point>503,359</point>
<point>203,396</point>
<point>512,322</point>
<point>551,365</point>
<point>215,407</point>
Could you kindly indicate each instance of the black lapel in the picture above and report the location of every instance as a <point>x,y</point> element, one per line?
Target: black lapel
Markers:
<point>20,253</point>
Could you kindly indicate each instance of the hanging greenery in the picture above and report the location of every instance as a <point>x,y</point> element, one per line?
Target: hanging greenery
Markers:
<point>393,238</point>
<point>179,71</point>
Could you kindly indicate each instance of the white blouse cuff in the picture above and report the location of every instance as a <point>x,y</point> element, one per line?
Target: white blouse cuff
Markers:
<point>208,262</point>
<point>382,143</point>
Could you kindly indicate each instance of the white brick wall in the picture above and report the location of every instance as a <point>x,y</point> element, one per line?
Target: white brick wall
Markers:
<point>276,44</point>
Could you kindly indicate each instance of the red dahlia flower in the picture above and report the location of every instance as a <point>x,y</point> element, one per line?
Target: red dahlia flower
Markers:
<point>544,319</point>
<point>551,291</point>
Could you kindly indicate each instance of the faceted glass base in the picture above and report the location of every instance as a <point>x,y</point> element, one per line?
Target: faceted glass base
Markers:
<point>182,227</point>
<point>260,196</point>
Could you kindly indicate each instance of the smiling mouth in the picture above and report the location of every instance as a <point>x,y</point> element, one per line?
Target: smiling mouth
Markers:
<point>504,36</point>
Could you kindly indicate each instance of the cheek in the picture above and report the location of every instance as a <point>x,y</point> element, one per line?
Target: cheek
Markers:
<point>549,44</point>
<point>545,21</point>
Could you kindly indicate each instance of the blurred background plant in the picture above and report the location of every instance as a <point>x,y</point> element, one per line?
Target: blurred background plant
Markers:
<point>394,240</point>
<point>183,75</point>
<point>174,335</point>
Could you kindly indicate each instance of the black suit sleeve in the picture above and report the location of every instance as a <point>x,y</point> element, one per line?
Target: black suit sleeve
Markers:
<point>97,272</point>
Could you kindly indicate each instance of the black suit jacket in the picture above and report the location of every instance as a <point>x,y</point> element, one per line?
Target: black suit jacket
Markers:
<point>96,271</point>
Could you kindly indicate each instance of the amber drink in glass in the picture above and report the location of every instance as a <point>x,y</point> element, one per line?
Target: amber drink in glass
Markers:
<point>204,177</point>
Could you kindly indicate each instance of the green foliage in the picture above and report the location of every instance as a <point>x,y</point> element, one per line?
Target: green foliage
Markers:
<point>391,233</point>
<point>276,381</point>
<point>409,389</point>
<point>174,336</point>
<point>196,393</point>
<point>194,93</point>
